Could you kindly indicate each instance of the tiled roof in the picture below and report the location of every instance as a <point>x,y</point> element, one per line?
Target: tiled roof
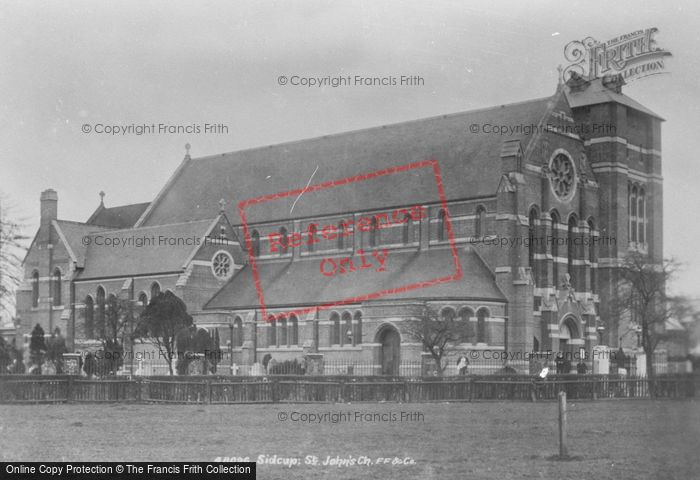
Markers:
<point>300,283</point>
<point>469,164</point>
<point>596,93</point>
<point>124,216</point>
<point>124,257</point>
<point>73,233</point>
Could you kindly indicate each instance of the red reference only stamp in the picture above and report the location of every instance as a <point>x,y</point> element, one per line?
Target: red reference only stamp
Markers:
<point>339,263</point>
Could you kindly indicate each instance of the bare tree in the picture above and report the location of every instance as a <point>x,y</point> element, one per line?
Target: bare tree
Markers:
<point>437,331</point>
<point>11,251</point>
<point>642,297</point>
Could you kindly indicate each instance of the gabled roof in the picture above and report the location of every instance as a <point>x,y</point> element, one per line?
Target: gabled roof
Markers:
<point>469,164</point>
<point>146,250</point>
<point>595,92</point>
<point>72,234</point>
<point>124,216</point>
<point>282,286</point>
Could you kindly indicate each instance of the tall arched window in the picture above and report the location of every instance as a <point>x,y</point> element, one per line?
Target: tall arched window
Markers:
<point>255,240</point>
<point>555,248</point>
<point>57,300</point>
<point>441,224</point>
<point>313,228</point>
<point>481,315</point>
<point>570,246</point>
<point>293,330</point>
<point>480,221</point>
<point>641,216</point>
<point>283,331</point>
<point>143,299</point>
<point>237,332</point>
<point>374,232</point>
<point>465,316</point>
<point>35,288</point>
<point>346,334</point>
<point>591,254</point>
<point>335,329</point>
<point>341,238</point>
<point>406,230</point>
<point>89,317</point>
<point>633,214</point>
<point>111,320</point>
<point>271,332</point>
<point>100,320</point>
<point>155,290</point>
<point>283,235</point>
<point>357,335</point>
<point>532,237</point>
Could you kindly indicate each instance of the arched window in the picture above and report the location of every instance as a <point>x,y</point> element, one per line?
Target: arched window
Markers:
<point>57,300</point>
<point>111,312</point>
<point>535,344</point>
<point>346,334</point>
<point>35,288</point>
<point>89,317</point>
<point>341,238</point>
<point>283,236</point>
<point>293,330</point>
<point>155,290</point>
<point>100,321</point>
<point>283,331</point>
<point>532,236</point>
<point>465,316</point>
<point>143,299</point>
<point>335,329</point>
<point>312,235</point>
<point>641,216</point>
<point>255,240</point>
<point>633,215</point>
<point>591,254</point>
<point>480,221</point>
<point>447,313</point>
<point>441,224</point>
<point>237,332</point>
<point>555,248</point>
<point>315,333</point>
<point>271,332</point>
<point>570,247</point>
<point>406,230</point>
<point>374,232</point>
<point>357,335</point>
<point>481,316</point>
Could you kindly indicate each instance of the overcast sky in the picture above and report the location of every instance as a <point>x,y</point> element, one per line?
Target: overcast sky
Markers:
<point>64,64</point>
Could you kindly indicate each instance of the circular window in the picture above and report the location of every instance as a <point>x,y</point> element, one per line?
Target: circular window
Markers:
<point>563,176</point>
<point>222,265</point>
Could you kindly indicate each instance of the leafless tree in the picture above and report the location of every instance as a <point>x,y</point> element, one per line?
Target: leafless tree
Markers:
<point>12,250</point>
<point>437,331</point>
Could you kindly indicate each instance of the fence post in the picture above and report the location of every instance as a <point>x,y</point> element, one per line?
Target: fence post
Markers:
<point>275,395</point>
<point>207,391</point>
<point>563,449</point>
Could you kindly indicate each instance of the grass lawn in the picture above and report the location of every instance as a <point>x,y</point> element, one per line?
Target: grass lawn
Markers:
<point>609,439</point>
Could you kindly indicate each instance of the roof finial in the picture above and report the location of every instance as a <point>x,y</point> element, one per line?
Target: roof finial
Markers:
<point>560,69</point>
<point>187,149</point>
<point>222,204</point>
<point>102,197</point>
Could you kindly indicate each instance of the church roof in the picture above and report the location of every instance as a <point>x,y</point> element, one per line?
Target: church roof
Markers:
<point>123,216</point>
<point>72,234</point>
<point>596,92</point>
<point>469,163</point>
<point>116,253</point>
<point>281,288</point>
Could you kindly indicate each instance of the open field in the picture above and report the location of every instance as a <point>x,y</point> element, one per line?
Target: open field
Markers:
<point>635,439</point>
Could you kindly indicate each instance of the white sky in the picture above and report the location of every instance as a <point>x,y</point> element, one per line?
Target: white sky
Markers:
<point>63,64</point>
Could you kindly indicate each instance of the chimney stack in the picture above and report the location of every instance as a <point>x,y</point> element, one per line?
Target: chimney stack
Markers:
<point>49,213</point>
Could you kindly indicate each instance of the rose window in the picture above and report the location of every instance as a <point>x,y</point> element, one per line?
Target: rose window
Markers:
<point>563,176</point>
<point>222,265</point>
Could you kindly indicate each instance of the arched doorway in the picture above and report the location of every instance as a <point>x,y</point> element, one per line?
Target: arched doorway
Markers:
<point>568,331</point>
<point>390,351</point>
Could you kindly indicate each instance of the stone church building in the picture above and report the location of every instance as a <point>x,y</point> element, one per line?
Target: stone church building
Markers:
<point>572,182</point>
